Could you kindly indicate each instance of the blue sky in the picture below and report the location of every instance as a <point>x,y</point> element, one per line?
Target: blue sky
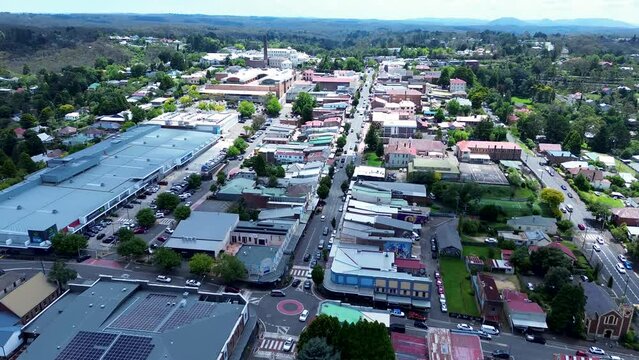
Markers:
<point>624,10</point>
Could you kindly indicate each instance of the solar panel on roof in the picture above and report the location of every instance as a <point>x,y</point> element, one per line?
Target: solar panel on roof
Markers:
<point>129,347</point>
<point>147,315</point>
<point>87,345</point>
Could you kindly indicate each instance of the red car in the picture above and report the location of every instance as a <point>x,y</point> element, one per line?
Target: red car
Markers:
<point>161,238</point>
<point>581,226</point>
<point>440,290</point>
<point>416,316</point>
<point>581,353</point>
<point>139,230</point>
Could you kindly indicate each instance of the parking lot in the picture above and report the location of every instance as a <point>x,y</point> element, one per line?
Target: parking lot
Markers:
<point>483,174</point>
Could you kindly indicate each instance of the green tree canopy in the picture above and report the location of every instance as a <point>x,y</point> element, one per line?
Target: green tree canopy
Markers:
<point>166,259</point>
<point>273,106</point>
<point>167,201</point>
<point>317,349</point>
<point>240,144</point>
<point>229,268</point>
<point>145,217</point>
<point>323,191</point>
<point>246,108</point>
<point>545,258</point>
<point>303,106</point>
<point>201,264</point>
<point>555,279</point>
<point>182,212</point>
<point>68,244</point>
<point>567,311</point>
<point>133,248</point>
<point>318,275</point>
<point>194,181</point>
<point>552,197</point>
<point>61,274</point>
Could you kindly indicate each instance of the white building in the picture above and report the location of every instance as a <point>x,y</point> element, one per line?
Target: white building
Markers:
<point>207,121</point>
<point>72,116</point>
<point>212,59</point>
<point>457,85</point>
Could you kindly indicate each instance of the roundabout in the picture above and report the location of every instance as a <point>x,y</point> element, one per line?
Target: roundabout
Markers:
<point>290,307</point>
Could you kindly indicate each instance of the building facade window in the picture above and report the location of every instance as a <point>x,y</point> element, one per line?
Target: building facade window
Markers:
<point>611,320</point>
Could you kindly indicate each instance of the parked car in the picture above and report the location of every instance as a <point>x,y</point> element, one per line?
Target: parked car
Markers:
<point>159,215</point>
<point>584,278</point>
<point>397,312</point>
<point>596,247</point>
<point>581,226</point>
<point>296,283</point>
<point>163,278</point>
<point>600,240</point>
<point>277,293</point>
<point>139,230</point>
<point>595,350</point>
<point>563,187</point>
<point>490,241</point>
<point>621,268</point>
<point>627,264</point>
<point>413,315</point>
<point>193,283</point>
<point>569,195</point>
<point>100,236</point>
<point>307,257</point>
<point>288,345</point>
<point>161,238</point>
<point>307,284</point>
<point>168,231</point>
<point>304,315</point>
<point>621,258</point>
<point>464,327</point>
<point>500,354</point>
<point>530,286</point>
<point>443,307</point>
<point>420,324</point>
<point>581,353</point>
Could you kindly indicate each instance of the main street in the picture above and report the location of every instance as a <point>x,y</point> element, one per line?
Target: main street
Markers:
<point>628,283</point>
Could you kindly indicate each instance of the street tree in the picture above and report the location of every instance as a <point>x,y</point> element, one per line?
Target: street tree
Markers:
<point>567,311</point>
<point>272,181</point>
<point>318,275</point>
<point>61,274</point>
<point>240,144</point>
<point>166,259</point>
<point>303,106</point>
<point>272,105</point>
<point>167,201</point>
<point>341,142</point>
<point>68,244</point>
<point>344,186</point>
<point>350,170</point>
<point>125,234</point>
<point>145,217</point>
<point>581,182</point>
<point>194,181</point>
<point>133,248</point>
<point>246,109</point>
<point>323,191</point>
<point>182,212</point>
<point>201,264</point>
<point>555,279</point>
<point>221,178</point>
<point>552,197</point>
<point>317,349</point>
<point>229,268</point>
<point>233,151</point>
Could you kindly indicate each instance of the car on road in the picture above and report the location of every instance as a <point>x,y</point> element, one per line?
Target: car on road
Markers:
<point>318,255</point>
<point>161,239</point>
<point>307,284</point>
<point>500,354</point>
<point>627,264</point>
<point>581,226</point>
<point>621,258</point>
<point>414,315</point>
<point>304,315</point>
<point>163,278</point>
<point>569,195</point>
<point>584,278</point>
<point>139,230</point>
<point>600,240</point>
<point>100,236</point>
<point>277,293</point>
<point>397,312</point>
<point>307,257</point>
<point>620,268</point>
<point>596,247</point>
<point>595,350</point>
<point>581,353</point>
<point>440,290</point>
<point>535,339</point>
<point>323,218</point>
<point>464,327</point>
<point>296,283</point>
<point>443,307</point>
<point>159,215</point>
<point>288,344</point>
<point>312,263</point>
<point>188,204</point>
<point>530,286</point>
<point>168,231</point>
<point>437,275</point>
<point>193,283</point>
<point>563,187</point>
<point>420,324</point>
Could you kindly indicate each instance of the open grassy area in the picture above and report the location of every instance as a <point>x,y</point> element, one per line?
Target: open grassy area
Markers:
<point>459,292</point>
<point>603,198</point>
<point>483,252</point>
<point>511,208</point>
<point>372,159</point>
<point>525,101</point>
<point>582,262</point>
<point>621,167</point>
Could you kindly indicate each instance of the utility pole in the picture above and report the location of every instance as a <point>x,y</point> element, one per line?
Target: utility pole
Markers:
<point>625,288</point>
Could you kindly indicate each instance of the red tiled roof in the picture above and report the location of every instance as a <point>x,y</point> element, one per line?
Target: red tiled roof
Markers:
<point>466,145</point>
<point>409,264</point>
<point>626,213</point>
<point>457,81</point>
<point>563,248</point>
<point>505,254</point>
<point>466,346</point>
<point>19,131</point>
<point>409,346</point>
<point>549,147</point>
<point>519,302</point>
<point>489,287</point>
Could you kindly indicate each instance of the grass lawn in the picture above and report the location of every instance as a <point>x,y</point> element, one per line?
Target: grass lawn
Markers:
<point>582,262</point>
<point>372,159</point>
<point>459,292</point>
<point>504,192</point>
<point>525,101</point>
<point>621,167</point>
<point>511,208</point>
<point>604,199</point>
<point>481,251</point>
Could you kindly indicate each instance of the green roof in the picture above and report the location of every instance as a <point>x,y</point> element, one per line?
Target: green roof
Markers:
<point>343,313</point>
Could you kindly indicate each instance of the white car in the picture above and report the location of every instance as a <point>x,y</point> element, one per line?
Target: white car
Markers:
<point>193,283</point>
<point>304,315</point>
<point>621,268</point>
<point>288,345</point>
<point>159,215</point>
<point>168,231</point>
<point>188,204</point>
<point>443,307</point>
<point>464,327</point>
<point>595,350</point>
<point>491,241</point>
<point>163,278</point>
<point>596,247</point>
<point>600,240</point>
<point>622,258</point>
<point>323,218</point>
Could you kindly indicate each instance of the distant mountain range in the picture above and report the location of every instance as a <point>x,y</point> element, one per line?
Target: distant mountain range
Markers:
<point>514,22</point>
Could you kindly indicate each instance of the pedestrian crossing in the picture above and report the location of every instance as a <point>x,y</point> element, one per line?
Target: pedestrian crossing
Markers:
<point>123,220</point>
<point>165,221</point>
<point>299,273</point>
<point>273,345</point>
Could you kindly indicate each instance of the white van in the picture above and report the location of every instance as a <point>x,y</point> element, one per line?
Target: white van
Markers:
<point>489,329</point>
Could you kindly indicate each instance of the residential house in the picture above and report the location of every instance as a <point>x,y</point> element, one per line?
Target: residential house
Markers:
<point>488,297</point>
<point>526,238</point>
<point>45,138</point>
<point>543,148</point>
<point>67,131</point>
<point>19,132</point>
<point>558,157</point>
<point>607,160</point>
<point>30,298</point>
<point>604,318</point>
<point>72,116</point>
<point>627,215</point>
<point>523,314</point>
<point>533,222</point>
<point>457,86</point>
<point>497,150</point>
<point>474,263</point>
<point>399,152</point>
<point>594,176</point>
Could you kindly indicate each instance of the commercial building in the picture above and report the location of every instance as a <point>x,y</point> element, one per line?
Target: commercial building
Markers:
<point>444,230</point>
<point>27,300</point>
<point>448,167</point>
<point>205,121</point>
<point>249,84</point>
<point>367,272</point>
<point>523,314</point>
<point>76,190</point>
<point>385,192</point>
<point>203,231</point>
<point>497,150</point>
<point>133,319</point>
<point>399,152</point>
<point>457,86</point>
<point>264,232</point>
<point>334,83</point>
<point>364,172</point>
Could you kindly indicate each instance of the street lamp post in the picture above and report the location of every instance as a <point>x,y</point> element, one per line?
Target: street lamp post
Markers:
<point>625,288</point>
